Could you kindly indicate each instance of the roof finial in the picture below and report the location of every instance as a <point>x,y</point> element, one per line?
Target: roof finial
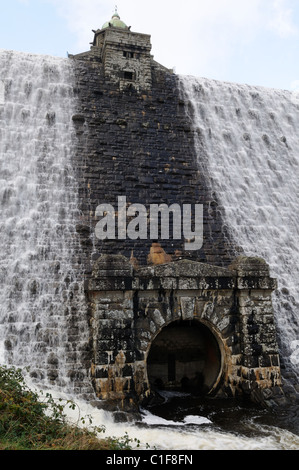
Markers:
<point>115,12</point>
<point>115,22</point>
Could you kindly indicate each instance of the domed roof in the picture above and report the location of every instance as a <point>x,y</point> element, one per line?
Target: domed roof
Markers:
<point>115,21</point>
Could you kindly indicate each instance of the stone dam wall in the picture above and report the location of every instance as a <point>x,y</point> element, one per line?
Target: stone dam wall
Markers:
<point>140,145</point>
<point>137,142</point>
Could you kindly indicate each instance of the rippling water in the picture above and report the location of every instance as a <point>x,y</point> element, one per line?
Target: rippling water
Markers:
<point>185,423</point>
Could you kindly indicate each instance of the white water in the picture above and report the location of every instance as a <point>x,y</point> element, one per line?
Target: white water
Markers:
<point>38,212</point>
<point>194,433</point>
<point>40,281</point>
<point>247,143</point>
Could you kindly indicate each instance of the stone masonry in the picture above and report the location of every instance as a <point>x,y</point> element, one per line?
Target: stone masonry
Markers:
<point>130,308</point>
<point>134,140</point>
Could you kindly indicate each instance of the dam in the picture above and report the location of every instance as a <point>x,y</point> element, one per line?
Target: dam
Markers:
<point>120,318</point>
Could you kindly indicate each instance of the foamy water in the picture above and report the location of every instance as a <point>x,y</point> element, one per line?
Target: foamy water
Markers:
<point>247,145</point>
<point>193,433</point>
<point>38,213</point>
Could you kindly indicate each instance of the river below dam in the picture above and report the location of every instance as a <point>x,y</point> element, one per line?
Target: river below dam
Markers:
<point>183,422</point>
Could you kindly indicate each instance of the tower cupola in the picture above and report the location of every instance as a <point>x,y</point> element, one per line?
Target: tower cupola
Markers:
<point>115,22</point>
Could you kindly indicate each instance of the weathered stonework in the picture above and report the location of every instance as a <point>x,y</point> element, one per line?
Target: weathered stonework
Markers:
<point>137,142</point>
<point>231,307</point>
<point>124,55</point>
<point>197,320</point>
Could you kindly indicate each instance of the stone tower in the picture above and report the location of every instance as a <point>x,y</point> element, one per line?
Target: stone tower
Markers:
<point>125,55</point>
<point>200,320</point>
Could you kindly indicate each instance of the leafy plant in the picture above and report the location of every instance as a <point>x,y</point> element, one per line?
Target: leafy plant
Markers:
<point>28,422</point>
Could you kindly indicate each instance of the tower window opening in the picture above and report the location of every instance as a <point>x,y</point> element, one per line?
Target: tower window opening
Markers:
<point>129,55</point>
<point>128,75</point>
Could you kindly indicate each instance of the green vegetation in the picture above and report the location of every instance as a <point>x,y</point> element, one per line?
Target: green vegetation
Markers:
<point>29,423</point>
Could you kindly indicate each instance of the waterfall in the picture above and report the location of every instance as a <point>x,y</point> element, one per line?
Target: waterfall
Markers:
<point>42,307</point>
<point>247,143</point>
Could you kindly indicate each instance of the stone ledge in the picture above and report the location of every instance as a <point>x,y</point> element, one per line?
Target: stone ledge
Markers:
<point>112,272</point>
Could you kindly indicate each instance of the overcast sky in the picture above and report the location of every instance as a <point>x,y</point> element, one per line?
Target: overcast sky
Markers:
<point>244,41</point>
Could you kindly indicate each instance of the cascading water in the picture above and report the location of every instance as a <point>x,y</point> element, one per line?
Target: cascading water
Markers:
<point>247,143</point>
<point>39,296</point>
<point>43,321</point>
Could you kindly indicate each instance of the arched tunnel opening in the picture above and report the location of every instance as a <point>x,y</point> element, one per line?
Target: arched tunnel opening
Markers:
<point>185,356</point>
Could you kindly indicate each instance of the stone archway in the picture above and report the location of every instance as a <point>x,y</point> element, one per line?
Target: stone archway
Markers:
<point>182,325</point>
<point>185,356</point>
